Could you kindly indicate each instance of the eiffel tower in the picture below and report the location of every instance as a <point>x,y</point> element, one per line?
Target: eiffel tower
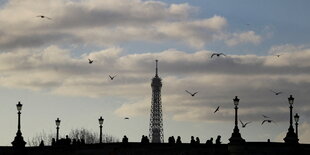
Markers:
<point>156,118</point>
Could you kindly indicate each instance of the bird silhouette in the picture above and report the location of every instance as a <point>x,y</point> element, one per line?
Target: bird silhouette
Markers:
<point>268,121</point>
<point>126,118</point>
<point>112,77</point>
<point>217,54</point>
<point>90,61</point>
<point>217,109</point>
<point>278,55</point>
<point>276,93</point>
<point>265,116</point>
<point>244,124</point>
<point>42,16</point>
<point>193,94</point>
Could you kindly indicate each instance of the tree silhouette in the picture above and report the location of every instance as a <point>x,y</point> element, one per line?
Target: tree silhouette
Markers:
<point>89,136</point>
<point>36,140</point>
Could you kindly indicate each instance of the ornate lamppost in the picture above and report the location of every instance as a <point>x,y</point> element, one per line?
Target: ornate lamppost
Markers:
<point>19,140</point>
<point>57,121</point>
<point>296,117</point>
<point>100,125</point>
<point>290,135</point>
<point>236,136</point>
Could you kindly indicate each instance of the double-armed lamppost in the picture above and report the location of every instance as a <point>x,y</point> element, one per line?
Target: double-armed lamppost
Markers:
<point>296,117</point>
<point>290,135</point>
<point>100,125</point>
<point>236,136</point>
<point>57,121</point>
<point>19,140</point>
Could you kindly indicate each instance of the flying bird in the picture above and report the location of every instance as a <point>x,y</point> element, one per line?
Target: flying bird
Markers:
<point>42,16</point>
<point>268,121</point>
<point>112,77</point>
<point>278,55</point>
<point>217,109</point>
<point>90,61</point>
<point>126,118</point>
<point>265,116</point>
<point>217,54</point>
<point>244,124</point>
<point>193,94</point>
<point>276,93</point>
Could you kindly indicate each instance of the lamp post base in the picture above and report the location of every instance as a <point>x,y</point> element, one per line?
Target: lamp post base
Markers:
<point>291,137</point>
<point>236,137</point>
<point>18,142</point>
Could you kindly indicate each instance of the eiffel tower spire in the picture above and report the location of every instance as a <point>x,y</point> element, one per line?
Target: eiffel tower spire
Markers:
<point>156,118</point>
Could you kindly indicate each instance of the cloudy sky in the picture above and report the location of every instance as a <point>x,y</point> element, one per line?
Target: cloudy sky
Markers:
<point>44,64</point>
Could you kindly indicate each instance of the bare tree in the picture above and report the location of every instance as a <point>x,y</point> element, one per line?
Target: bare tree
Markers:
<point>46,137</point>
<point>91,137</point>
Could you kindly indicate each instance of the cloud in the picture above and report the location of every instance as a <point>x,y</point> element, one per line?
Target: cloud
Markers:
<point>217,80</point>
<point>109,23</point>
<point>57,70</point>
<point>196,33</point>
<point>134,109</point>
<point>286,48</point>
<point>304,132</point>
<point>244,37</point>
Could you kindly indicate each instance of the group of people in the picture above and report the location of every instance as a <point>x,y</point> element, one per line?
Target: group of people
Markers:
<point>217,141</point>
<point>193,141</point>
<point>171,140</point>
<point>67,141</point>
<point>209,141</point>
<point>145,140</point>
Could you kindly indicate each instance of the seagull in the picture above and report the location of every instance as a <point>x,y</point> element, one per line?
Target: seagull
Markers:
<point>112,77</point>
<point>268,120</point>
<point>265,116</point>
<point>276,93</point>
<point>90,61</point>
<point>42,16</point>
<point>278,55</point>
<point>244,124</point>
<point>126,118</point>
<point>217,109</point>
<point>193,94</point>
<point>217,54</point>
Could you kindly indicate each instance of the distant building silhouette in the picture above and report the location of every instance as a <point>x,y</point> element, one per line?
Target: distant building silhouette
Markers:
<point>156,118</point>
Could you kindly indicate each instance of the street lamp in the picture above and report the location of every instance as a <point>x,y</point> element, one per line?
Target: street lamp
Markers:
<point>290,135</point>
<point>100,125</point>
<point>57,121</point>
<point>236,136</point>
<point>19,140</point>
<point>296,117</point>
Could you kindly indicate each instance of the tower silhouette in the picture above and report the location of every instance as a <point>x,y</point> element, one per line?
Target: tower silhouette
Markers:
<point>156,118</point>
